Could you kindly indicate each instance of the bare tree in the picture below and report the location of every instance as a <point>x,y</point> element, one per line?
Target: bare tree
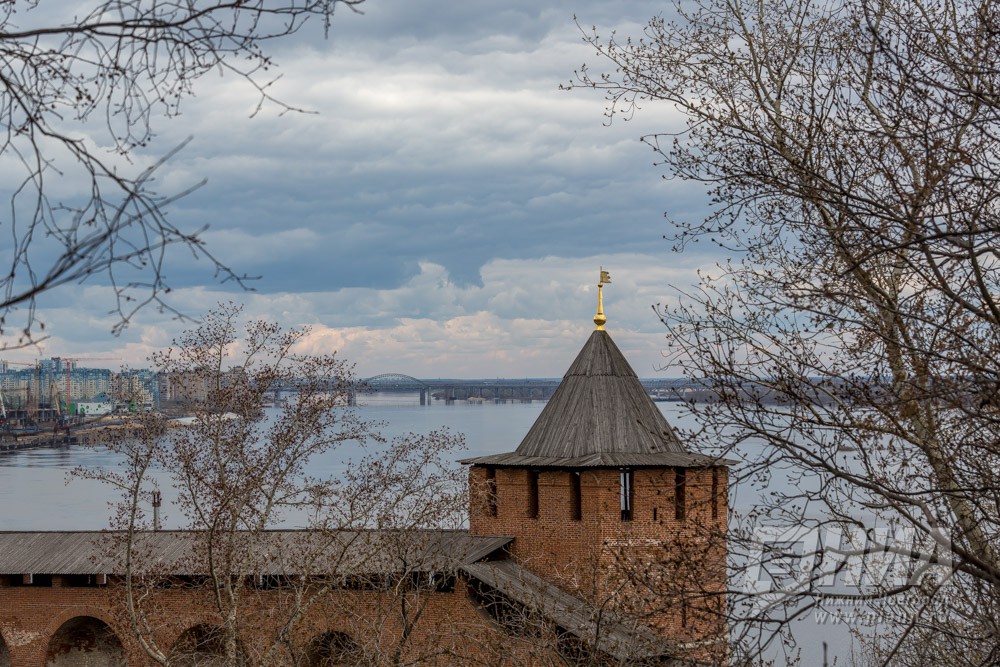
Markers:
<point>852,337</point>
<point>238,471</point>
<point>78,100</point>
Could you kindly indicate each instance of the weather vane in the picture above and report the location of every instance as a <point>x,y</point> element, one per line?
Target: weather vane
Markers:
<point>599,318</point>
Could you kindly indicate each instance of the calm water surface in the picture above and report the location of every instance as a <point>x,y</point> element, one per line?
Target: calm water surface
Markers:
<point>37,491</point>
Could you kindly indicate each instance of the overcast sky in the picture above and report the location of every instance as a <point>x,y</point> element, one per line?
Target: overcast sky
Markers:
<point>445,210</point>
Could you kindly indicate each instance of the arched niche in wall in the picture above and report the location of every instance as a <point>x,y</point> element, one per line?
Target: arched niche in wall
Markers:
<point>82,641</point>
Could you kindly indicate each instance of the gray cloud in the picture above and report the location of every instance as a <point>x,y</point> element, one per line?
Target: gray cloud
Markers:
<point>441,150</point>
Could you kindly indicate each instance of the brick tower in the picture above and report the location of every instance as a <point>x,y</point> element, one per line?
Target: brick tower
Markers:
<point>605,501</point>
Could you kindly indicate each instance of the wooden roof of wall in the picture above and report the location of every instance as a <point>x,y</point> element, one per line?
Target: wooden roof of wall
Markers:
<point>280,552</point>
<point>628,640</point>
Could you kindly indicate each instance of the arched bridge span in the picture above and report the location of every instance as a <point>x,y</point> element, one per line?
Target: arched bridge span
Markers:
<point>394,382</point>
<point>397,383</point>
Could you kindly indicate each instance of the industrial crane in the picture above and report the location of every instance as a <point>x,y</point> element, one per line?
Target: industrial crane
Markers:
<point>66,364</point>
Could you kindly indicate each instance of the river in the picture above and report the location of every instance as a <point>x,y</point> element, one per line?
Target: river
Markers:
<point>38,492</point>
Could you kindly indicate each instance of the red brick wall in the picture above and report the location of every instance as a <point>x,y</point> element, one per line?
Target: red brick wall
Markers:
<point>449,630</point>
<point>682,561</point>
<point>679,564</point>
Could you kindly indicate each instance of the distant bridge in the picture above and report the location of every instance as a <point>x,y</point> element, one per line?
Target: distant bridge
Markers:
<point>502,389</point>
<point>456,389</point>
<point>396,383</point>
<point>495,389</point>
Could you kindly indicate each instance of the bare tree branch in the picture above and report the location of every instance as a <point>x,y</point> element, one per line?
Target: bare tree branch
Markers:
<point>852,338</point>
<point>78,102</point>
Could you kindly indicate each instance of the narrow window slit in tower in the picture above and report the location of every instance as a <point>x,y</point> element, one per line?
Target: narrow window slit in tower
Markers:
<point>680,484</point>
<point>532,494</point>
<point>715,493</point>
<point>491,491</point>
<point>627,493</point>
<point>575,497</point>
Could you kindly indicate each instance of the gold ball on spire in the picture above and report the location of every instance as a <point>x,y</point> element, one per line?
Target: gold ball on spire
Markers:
<point>599,318</point>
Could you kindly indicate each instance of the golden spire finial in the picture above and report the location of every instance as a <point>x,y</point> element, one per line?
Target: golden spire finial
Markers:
<point>599,318</point>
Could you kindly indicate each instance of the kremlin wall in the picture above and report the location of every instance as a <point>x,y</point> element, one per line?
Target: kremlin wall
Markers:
<point>600,540</point>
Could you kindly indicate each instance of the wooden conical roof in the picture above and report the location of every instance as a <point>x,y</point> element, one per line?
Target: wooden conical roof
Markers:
<point>600,416</point>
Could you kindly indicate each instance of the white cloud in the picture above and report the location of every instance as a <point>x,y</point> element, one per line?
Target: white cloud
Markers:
<point>526,319</point>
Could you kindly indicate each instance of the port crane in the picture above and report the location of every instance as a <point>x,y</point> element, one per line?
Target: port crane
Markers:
<point>68,368</point>
<point>34,390</point>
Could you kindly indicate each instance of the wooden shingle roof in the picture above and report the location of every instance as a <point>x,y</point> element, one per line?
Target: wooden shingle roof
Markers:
<point>280,552</point>
<point>600,416</point>
<point>628,641</point>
